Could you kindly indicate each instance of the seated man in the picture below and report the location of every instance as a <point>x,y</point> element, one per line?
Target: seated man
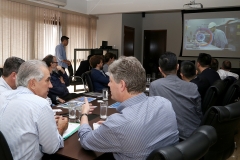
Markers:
<point>224,72</point>
<point>99,78</point>
<point>10,70</point>
<point>185,98</point>
<point>214,64</point>
<point>59,80</point>
<point>109,58</point>
<point>83,67</point>
<point>26,119</point>
<point>188,73</point>
<point>142,124</point>
<point>204,70</point>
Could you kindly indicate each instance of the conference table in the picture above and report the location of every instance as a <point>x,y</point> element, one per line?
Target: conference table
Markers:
<point>72,147</point>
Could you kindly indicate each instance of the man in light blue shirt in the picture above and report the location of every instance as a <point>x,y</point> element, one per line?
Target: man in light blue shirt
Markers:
<point>219,37</point>
<point>10,70</point>
<point>61,53</point>
<point>26,119</point>
<point>142,123</point>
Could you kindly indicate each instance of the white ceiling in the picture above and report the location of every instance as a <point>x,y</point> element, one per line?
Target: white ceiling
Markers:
<point>96,7</point>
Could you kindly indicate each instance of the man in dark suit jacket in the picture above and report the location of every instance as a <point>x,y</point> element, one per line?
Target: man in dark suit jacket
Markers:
<point>83,67</point>
<point>188,73</point>
<point>204,70</point>
<point>99,79</point>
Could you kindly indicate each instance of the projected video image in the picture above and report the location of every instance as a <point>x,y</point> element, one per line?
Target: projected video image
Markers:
<point>212,34</point>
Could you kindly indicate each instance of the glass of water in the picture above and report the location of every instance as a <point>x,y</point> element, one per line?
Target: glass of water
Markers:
<point>103,109</point>
<point>79,110</point>
<point>72,110</point>
<point>148,78</point>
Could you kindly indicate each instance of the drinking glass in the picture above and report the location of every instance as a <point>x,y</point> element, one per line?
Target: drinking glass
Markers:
<point>148,78</point>
<point>105,94</point>
<point>72,109</point>
<point>103,109</point>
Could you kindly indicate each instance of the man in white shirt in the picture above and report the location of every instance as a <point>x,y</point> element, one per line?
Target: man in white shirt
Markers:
<point>26,119</point>
<point>225,70</point>
<point>10,70</point>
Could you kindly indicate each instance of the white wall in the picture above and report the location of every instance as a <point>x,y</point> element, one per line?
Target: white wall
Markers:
<point>172,22</point>
<point>134,21</point>
<point>109,28</point>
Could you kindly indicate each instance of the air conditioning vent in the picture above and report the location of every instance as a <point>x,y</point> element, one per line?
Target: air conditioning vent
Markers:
<point>61,3</point>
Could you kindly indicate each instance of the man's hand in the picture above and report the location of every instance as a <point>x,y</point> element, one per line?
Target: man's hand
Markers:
<point>87,107</point>
<point>62,125</point>
<point>61,79</point>
<point>59,68</point>
<point>67,62</point>
<point>61,100</point>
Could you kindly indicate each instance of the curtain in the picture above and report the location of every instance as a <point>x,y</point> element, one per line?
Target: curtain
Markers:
<point>31,32</point>
<point>81,31</point>
<point>47,31</point>
<point>16,30</point>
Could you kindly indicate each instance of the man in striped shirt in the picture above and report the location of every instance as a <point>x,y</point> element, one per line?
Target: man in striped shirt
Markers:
<point>26,119</point>
<point>142,123</point>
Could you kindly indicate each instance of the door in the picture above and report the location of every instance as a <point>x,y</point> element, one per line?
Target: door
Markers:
<point>154,46</point>
<point>129,34</point>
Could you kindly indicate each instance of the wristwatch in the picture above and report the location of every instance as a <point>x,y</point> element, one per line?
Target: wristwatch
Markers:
<point>57,98</point>
<point>84,114</point>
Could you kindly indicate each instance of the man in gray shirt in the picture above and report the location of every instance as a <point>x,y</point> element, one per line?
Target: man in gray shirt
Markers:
<point>185,98</point>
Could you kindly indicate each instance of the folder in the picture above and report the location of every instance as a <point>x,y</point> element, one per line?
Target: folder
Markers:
<point>72,128</point>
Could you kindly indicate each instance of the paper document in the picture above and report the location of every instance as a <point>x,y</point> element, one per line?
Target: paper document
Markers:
<point>95,126</point>
<point>72,128</point>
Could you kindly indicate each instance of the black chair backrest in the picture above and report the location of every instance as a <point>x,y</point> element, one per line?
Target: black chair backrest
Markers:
<point>225,120</point>
<point>192,148</point>
<point>229,80</point>
<point>87,81</point>
<point>232,93</point>
<point>5,152</point>
<point>214,95</point>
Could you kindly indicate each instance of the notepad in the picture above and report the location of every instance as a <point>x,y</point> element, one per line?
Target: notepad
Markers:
<point>72,128</point>
<point>82,99</point>
<point>65,105</point>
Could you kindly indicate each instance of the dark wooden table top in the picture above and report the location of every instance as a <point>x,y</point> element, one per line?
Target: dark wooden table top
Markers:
<point>72,147</point>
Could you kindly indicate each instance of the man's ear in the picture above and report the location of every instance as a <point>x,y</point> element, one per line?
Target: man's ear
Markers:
<point>164,75</point>
<point>122,85</point>
<point>32,84</point>
<point>14,75</point>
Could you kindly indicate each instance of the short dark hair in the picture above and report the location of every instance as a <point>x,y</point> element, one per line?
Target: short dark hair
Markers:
<point>188,69</point>
<point>95,60</point>
<point>226,65</point>
<point>11,64</point>
<point>108,56</point>
<point>214,64</point>
<point>204,59</point>
<point>64,38</point>
<point>48,60</point>
<point>168,63</point>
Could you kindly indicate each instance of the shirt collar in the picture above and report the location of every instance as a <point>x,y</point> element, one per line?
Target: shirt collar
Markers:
<point>131,101</point>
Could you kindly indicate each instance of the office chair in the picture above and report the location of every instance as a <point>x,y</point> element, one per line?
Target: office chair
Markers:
<point>192,148</point>
<point>88,85</point>
<point>225,120</point>
<point>214,95</point>
<point>5,152</point>
<point>232,93</point>
<point>74,80</point>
